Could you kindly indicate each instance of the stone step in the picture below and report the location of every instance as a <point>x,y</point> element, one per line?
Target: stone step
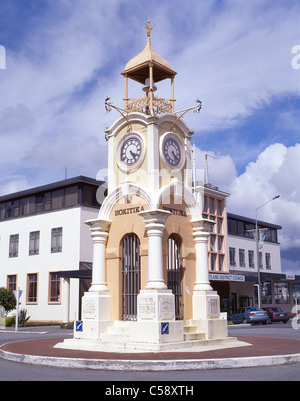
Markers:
<point>117,333</point>
<point>194,336</point>
<point>190,329</point>
<point>131,345</point>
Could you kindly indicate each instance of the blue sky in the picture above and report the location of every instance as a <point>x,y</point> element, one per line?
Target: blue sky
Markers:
<point>64,57</point>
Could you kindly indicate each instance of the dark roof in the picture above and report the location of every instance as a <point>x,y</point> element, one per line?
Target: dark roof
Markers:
<point>253,221</point>
<point>48,187</point>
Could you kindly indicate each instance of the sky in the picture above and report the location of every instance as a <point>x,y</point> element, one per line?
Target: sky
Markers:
<point>60,59</point>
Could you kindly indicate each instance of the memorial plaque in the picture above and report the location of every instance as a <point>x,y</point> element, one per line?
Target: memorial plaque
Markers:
<point>213,308</point>
<point>166,309</point>
<point>146,308</point>
<point>89,309</point>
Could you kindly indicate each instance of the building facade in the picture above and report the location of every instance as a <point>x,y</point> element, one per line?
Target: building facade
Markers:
<point>42,235</point>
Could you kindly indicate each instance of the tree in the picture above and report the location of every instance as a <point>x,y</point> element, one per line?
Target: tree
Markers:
<point>7,299</point>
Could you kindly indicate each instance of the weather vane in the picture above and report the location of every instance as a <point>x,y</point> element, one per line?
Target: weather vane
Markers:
<point>148,27</point>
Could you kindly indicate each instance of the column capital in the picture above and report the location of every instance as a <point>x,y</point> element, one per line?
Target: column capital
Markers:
<point>98,225</point>
<point>157,216</point>
<point>202,226</point>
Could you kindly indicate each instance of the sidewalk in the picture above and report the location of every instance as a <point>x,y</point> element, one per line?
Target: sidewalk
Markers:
<point>263,351</point>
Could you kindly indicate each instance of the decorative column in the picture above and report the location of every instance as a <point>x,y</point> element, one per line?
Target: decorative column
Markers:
<point>99,233</point>
<point>201,233</point>
<point>151,88</point>
<point>155,225</point>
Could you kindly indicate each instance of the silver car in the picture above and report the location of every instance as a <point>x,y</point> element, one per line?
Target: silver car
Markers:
<point>250,314</point>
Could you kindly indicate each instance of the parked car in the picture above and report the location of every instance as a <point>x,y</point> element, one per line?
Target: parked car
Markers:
<point>277,314</point>
<point>250,314</point>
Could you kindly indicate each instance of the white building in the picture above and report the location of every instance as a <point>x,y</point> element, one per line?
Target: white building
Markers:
<point>42,234</point>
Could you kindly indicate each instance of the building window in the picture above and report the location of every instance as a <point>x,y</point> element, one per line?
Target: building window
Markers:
<point>54,288</point>
<point>266,294</point>
<point>56,240</point>
<point>232,257</point>
<point>220,244</point>
<point>260,257</point>
<point>281,293</point>
<point>211,206</point>
<point>268,261</point>
<point>213,260</point>
<point>32,288</point>
<point>39,203</point>
<point>221,262</point>
<point>14,246</point>
<point>34,243</point>
<point>212,243</point>
<point>296,293</point>
<point>242,258</point>
<point>219,207</point>
<point>220,225</point>
<point>12,282</point>
<point>251,258</point>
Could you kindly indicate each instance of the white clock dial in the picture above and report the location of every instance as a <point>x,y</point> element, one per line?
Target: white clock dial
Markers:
<point>172,151</point>
<point>130,152</point>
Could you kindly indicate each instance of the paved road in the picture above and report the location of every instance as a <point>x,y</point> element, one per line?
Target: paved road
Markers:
<point>10,371</point>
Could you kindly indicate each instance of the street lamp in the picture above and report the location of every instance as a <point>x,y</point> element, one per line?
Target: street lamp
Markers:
<point>257,248</point>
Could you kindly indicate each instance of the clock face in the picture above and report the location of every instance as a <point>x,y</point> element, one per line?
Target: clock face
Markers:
<point>131,151</point>
<point>172,151</point>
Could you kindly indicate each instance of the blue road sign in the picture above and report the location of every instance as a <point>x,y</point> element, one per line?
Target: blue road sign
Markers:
<point>78,325</point>
<point>165,328</point>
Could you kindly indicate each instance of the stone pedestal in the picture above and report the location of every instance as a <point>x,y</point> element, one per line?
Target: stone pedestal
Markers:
<point>95,315</point>
<point>206,314</point>
<point>156,318</point>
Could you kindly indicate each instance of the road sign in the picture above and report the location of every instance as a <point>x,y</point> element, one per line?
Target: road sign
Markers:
<point>79,325</point>
<point>16,293</point>
<point>165,328</point>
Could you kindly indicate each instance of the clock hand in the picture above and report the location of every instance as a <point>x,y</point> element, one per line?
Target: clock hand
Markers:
<point>174,154</point>
<point>133,154</point>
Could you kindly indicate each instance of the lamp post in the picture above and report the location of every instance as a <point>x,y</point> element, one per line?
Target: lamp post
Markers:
<point>257,249</point>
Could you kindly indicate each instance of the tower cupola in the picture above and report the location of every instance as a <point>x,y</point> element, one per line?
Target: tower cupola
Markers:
<point>148,68</point>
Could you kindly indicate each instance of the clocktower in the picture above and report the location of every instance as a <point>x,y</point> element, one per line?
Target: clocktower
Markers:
<point>150,266</point>
<point>149,145</point>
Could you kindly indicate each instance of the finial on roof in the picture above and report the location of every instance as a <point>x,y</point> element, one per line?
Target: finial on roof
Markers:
<point>148,27</point>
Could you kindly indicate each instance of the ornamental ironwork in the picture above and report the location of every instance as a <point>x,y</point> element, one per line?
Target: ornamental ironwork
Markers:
<point>142,104</point>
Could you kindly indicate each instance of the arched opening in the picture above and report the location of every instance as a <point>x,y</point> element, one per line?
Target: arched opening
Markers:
<point>130,276</point>
<point>175,273</point>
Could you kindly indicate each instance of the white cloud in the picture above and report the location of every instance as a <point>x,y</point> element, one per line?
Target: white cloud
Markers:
<point>243,61</point>
<point>276,171</point>
<point>10,185</point>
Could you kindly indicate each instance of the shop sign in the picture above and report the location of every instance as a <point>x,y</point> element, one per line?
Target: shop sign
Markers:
<point>226,277</point>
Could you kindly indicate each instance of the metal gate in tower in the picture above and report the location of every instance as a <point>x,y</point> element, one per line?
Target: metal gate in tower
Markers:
<point>131,276</point>
<point>175,273</point>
